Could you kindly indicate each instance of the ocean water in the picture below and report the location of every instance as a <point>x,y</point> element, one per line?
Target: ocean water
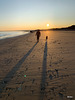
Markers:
<point>8,34</point>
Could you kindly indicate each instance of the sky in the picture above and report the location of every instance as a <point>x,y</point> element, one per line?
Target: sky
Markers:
<point>36,14</point>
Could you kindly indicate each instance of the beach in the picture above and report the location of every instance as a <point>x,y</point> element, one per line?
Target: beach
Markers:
<point>38,71</point>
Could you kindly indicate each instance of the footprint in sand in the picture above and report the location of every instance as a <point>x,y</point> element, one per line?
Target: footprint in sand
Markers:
<point>50,64</point>
<point>33,56</point>
<point>8,94</point>
<point>52,88</point>
<point>4,82</point>
<point>39,68</point>
<point>61,95</point>
<point>32,91</point>
<point>51,57</point>
<point>59,43</point>
<point>33,81</point>
<point>54,41</point>
<point>42,88</point>
<point>57,72</point>
<point>26,69</point>
<point>51,77</point>
<point>57,62</point>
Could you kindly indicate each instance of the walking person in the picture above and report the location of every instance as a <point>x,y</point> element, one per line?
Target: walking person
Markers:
<point>38,34</point>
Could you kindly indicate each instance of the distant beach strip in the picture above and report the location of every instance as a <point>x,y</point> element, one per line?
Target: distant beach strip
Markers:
<point>9,34</point>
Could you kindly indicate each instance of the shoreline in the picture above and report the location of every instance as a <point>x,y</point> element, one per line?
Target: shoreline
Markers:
<point>14,35</point>
<point>41,31</point>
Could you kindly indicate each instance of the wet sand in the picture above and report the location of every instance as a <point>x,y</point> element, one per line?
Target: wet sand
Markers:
<point>38,71</point>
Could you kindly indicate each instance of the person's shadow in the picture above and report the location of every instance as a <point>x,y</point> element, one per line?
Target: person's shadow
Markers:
<point>43,79</point>
<point>10,75</point>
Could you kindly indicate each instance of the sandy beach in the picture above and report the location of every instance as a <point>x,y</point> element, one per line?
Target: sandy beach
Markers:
<point>38,71</point>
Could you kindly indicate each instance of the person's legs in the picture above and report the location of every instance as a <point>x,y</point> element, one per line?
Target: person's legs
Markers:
<point>37,38</point>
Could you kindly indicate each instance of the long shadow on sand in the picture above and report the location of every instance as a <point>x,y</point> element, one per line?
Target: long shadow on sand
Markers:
<point>10,75</point>
<point>43,80</point>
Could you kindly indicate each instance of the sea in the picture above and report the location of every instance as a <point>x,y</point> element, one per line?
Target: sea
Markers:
<point>9,34</point>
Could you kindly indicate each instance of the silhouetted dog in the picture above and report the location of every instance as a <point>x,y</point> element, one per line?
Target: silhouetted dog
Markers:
<point>46,37</point>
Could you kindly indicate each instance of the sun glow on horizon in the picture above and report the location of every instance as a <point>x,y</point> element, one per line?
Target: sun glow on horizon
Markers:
<point>47,25</point>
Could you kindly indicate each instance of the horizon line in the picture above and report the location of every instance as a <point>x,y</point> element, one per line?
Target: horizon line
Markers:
<point>39,28</point>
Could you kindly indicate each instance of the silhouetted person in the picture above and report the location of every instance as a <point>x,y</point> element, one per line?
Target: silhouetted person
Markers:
<point>38,34</point>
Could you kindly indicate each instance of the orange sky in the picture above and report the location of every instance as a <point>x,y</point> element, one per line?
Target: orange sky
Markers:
<point>36,14</point>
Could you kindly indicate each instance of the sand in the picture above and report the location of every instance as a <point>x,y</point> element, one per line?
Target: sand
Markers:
<point>38,71</point>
